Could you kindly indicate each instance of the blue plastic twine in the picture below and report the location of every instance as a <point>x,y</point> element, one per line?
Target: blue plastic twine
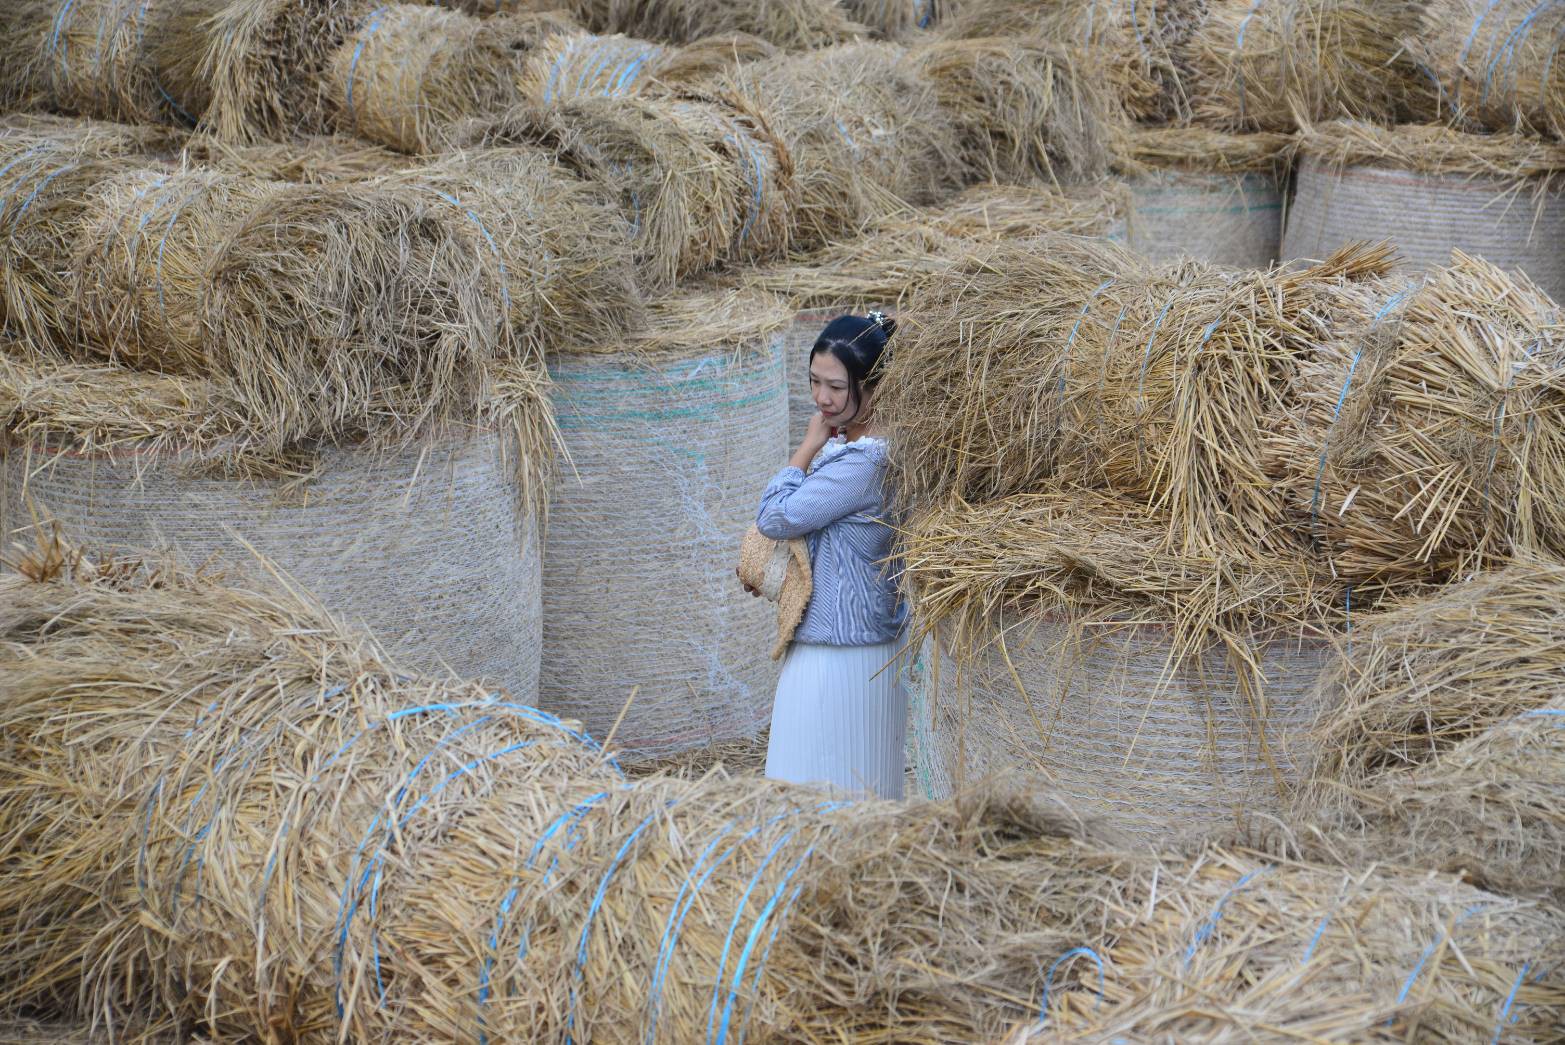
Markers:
<point>1244,26</point>
<point>733,927</point>
<point>1207,927</point>
<point>1048,981</point>
<point>1505,1016</point>
<point>1085,308</point>
<point>494,248</point>
<point>358,52</point>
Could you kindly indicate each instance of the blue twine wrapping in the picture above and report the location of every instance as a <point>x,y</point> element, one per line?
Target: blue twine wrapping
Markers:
<point>57,33</point>
<point>1146,359</point>
<point>1048,981</point>
<point>1342,396</point>
<point>1206,928</point>
<point>1412,977</point>
<point>358,52</point>
<point>44,184</point>
<point>595,65</point>
<point>1545,713</point>
<point>733,927</point>
<point>1085,308</point>
<point>753,160</point>
<point>1508,49</point>
<point>163,243</point>
<point>922,15</point>
<point>766,952</point>
<point>579,971</point>
<point>1505,1008</point>
<point>1244,26</point>
<point>1472,34</point>
<point>494,248</point>
<point>1320,930</point>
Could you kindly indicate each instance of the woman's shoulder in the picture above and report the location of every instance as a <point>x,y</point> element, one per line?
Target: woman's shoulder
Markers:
<point>870,447</point>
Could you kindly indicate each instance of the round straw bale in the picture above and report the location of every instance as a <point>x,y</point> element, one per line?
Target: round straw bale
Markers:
<point>1232,220</point>
<point>46,183</point>
<point>264,64</point>
<point>1431,190</point>
<point>1263,64</point>
<point>87,57</point>
<point>1135,49</point>
<point>706,60</point>
<point>252,761</point>
<point>408,72</point>
<point>1496,63</point>
<point>1430,436</point>
<point>571,65</point>
<point>671,437</point>
<point>864,129</point>
<point>788,24</point>
<point>433,548</point>
<point>1067,641</point>
<point>1022,109</point>
<point>700,184</point>
<point>1224,948</point>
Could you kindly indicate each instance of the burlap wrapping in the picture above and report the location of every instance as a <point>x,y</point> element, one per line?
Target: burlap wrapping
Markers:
<point>1230,220</point>
<point>431,549</point>
<point>798,339</point>
<point>1164,760</point>
<point>668,457</point>
<point>1426,215</point>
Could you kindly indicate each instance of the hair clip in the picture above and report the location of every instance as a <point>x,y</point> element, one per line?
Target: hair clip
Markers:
<point>877,317</point>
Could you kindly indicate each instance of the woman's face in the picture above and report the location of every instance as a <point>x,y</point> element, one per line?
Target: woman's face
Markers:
<point>829,387</point>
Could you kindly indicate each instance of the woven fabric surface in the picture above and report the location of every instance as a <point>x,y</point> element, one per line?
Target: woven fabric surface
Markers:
<point>1166,760</point>
<point>1426,216</point>
<point>431,549</point>
<point>798,339</point>
<point>667,460</point>
<point>1229,220</point>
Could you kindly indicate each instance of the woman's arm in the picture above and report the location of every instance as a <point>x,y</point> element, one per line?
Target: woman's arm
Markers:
<point>796,504</point>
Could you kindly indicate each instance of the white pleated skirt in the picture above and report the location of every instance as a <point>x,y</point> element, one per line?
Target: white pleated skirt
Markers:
<point>840,719</point>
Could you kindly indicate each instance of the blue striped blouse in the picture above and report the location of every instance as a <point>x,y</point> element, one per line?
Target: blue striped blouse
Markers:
<point>838,508</point>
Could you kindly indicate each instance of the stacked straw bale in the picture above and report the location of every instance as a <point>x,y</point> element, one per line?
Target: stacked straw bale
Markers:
<point>48,171</point>
<point>1432,190</point>
<point>1022,108</point>
<point>432,547</point>
<point>863,126</point>
<point>699,183</point>
<point>283,835</point>
<point>1496,62</point>
<point>407,72</point>
<point>1442,743</point>
<point>1227,949</point>
<point>788,24</point>
<point>570,65</point>
<point>1432,441</point>
<point>1136,48</point>
<point>670,436</point>
<point>1265,64</point>
<point>1205,194</point>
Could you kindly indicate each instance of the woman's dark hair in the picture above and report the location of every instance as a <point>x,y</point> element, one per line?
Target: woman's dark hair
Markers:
<point>860,344</point>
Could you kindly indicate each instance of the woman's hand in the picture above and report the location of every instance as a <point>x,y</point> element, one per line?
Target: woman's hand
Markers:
<point>815,437</point>
<point>753,591</point>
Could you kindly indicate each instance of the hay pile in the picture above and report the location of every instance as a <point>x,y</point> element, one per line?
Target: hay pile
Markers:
<point>864,129</point>
<point>1443,744</point>
<point>1147,150</point>
<point>1496,64</point>
<point>282,834</point>
<point>699,183</point>
<point>1436,149</point>
<point>407,73</point>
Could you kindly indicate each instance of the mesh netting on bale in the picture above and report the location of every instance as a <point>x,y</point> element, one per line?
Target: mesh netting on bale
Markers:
<point>432,547</point>
<point>671,437</point>
<point>700,184</point>
<point>407,73</point>
<point>1497,64</point>
<point>1223,219</point>
<point>863,127</point>
<point>1430,191</point>
<point>1442,737</point>
<point>280,831</point>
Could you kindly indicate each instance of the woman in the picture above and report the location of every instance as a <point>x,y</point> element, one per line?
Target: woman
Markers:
<point>841,709</point>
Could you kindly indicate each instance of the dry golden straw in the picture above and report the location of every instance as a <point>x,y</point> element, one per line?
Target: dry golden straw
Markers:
<point>1497,63</point>
<point>1436,149</point>
<point>788,24</point>
<point>1145,150</point>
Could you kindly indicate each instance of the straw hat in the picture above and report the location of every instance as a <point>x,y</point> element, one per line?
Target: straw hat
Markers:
<point>780,571</point>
